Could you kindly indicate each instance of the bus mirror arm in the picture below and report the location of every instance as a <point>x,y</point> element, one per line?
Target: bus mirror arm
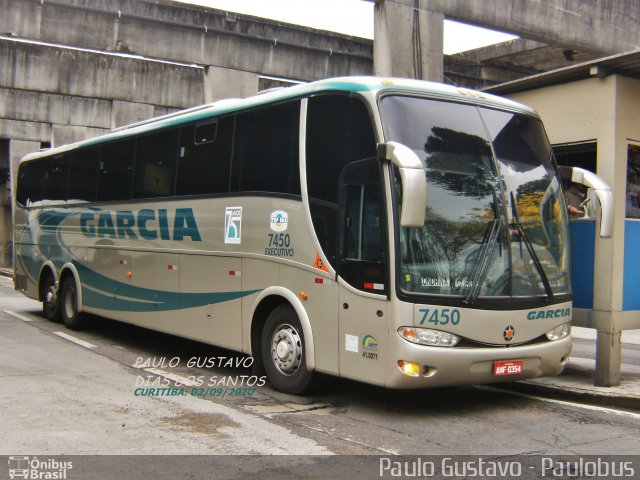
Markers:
<point>601,189</point>
<point>414,183</point>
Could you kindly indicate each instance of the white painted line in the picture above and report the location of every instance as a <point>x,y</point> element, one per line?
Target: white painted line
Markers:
<point>18,316</point>
<point>596,408</point>
<point>75,340</point>
<point>171,376</point>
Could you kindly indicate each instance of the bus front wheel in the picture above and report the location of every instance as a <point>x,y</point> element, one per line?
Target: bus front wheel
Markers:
<point>283,352</point>
<point>72,318</point>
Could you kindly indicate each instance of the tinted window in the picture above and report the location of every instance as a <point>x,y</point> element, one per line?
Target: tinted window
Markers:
<point>156,156</point>
<point>204,168</point>
<point>339,131</point>
<point>266,156</point>
<point>24,183</point>
<point>363,256</point>
<point>37,174</point>
<point>56,178</point>
<point>83,175</point>
<point>116,170</point>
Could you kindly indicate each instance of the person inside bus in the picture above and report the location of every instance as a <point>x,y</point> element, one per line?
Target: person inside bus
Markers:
<point>575,195</point>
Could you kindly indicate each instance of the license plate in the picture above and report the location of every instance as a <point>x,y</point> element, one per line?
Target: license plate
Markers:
<point>507,367</point>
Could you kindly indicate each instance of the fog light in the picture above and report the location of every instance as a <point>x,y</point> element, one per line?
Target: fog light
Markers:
<point>409,368</point>
<point>559,332</point>
<point>426,336</point>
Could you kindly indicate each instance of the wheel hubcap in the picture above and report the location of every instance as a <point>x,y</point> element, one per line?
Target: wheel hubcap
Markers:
<point>286,349</point>
<point>50,297</point>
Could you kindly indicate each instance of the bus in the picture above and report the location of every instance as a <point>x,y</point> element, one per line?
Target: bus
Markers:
<point>401,233</point>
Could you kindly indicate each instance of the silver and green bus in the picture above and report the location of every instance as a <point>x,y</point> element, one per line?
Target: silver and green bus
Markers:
<point>400,233</point>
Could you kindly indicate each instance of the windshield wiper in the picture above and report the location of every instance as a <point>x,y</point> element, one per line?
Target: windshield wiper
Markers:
<point>489,241</point>
<point>534,256</point>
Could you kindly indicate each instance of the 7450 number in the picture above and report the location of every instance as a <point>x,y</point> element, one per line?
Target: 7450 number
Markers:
<point>279,240</point>
<point>440,316</point>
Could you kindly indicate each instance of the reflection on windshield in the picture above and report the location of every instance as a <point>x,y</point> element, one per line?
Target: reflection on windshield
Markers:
<point>523,155</point>
<point>476,161</point>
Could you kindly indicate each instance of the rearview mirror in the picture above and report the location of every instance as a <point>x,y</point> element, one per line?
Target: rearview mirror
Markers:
<point>414,183</point>
<point>600,189</point>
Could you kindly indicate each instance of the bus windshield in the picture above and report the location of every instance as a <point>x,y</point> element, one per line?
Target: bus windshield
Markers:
<point>496,221</point>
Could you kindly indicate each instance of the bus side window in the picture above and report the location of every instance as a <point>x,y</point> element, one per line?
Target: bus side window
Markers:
<point>36,188</point>
<point>204,157</point>
<point>339,131</point>
<point>363,257</point>
<point>116,170</point>
<point>56,179</point>
<point>24,184</point>
<point>83,175</point>
<point>266,151</point>
<point>155,169</point>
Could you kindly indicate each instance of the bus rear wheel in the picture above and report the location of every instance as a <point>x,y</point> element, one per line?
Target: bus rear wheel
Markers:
<point>71,317</point>
<point>283,352</point>
<point>50,299</point>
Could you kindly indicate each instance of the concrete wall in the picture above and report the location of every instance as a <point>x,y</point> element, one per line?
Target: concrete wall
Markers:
<point>86,74</point>
<point>59,95</point>
<point>179,33</point>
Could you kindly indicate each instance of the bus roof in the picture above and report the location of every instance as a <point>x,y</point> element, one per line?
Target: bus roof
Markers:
<point>341,84</point>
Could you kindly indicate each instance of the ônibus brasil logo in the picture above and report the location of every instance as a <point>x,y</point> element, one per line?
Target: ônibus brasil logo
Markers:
<point>34,468</point>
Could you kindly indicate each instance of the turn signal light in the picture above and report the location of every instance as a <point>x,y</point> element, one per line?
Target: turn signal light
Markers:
<point>409,368</point>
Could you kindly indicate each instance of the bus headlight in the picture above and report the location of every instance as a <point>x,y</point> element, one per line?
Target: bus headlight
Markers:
<point>426,336</point>
<point>559,332</point>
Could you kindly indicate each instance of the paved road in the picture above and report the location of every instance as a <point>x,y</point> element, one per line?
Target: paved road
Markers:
<point>61,397</point>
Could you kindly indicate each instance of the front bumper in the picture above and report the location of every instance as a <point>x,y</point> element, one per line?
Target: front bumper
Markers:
<point>442,367</point>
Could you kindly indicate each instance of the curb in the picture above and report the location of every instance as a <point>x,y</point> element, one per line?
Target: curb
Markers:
<point>578,395</point>
<point>6,272</point>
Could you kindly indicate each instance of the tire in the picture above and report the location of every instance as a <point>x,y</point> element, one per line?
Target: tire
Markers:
<point>71,317</point>
<point>283,352</point>
<point>50,299</point>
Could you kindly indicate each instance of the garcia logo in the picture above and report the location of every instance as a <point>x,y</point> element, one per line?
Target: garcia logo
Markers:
<point>279,220</point>
<point>541,314</point>
<point>146,224</point>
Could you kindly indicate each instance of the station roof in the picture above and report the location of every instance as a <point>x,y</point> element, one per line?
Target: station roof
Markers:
<point>626,64</point>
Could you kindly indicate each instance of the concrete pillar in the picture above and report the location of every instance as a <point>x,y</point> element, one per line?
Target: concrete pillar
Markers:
<point>408,39</point>
<point>5,205</point>
<point>609,252</point>
<point>608,359</point>
<point>6,228</point>
<point>221,83</point>
<point>17,150</point>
